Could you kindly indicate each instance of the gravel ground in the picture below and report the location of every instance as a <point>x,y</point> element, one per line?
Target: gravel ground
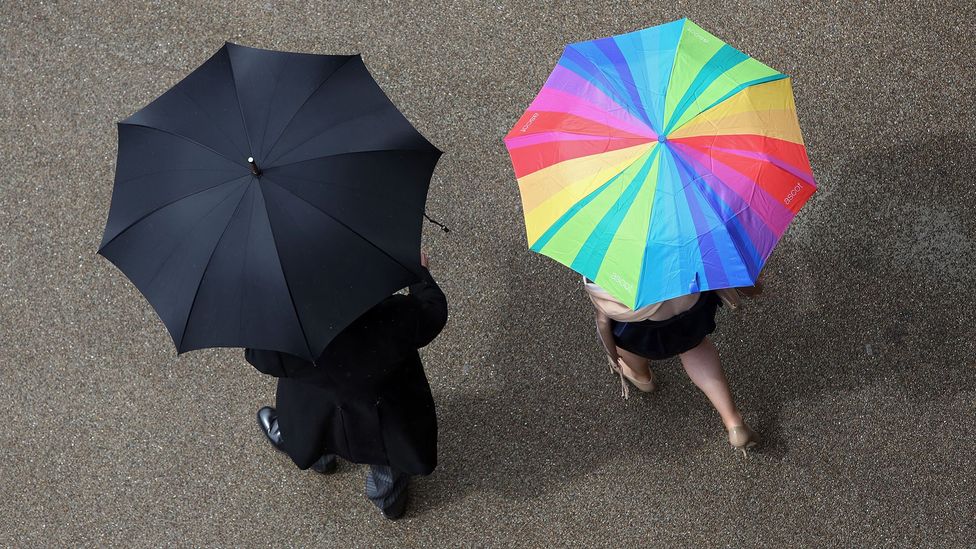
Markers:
<point>857,366</point>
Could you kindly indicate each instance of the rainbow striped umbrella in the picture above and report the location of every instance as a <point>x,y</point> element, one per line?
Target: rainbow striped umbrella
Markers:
<point>660,163</point>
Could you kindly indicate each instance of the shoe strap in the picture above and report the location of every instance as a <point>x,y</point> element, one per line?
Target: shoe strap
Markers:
<point>624,388</point>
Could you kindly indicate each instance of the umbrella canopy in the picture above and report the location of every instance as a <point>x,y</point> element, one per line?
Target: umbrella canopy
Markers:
<point>267,200</point>
<point>660,163</point>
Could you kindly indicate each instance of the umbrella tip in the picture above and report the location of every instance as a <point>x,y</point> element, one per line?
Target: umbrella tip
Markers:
<point>254,167</point>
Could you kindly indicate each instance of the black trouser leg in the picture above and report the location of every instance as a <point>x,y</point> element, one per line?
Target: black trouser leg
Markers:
<point>386,487</point>
<point>325,465</point>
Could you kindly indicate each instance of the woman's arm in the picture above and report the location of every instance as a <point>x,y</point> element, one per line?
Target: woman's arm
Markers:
<point>604,330</point>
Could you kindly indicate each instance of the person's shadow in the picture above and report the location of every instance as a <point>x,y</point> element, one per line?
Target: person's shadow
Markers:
<point>870,283</point>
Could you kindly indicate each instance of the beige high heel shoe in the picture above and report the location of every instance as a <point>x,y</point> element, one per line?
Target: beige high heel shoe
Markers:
<point>642,386</point>
<point>741,437</point>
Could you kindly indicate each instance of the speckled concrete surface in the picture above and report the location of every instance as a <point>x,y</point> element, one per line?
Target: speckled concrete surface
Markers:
<point>857,366</point>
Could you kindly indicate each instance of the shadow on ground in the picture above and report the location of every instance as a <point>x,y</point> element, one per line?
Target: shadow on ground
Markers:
<point>839,314</point>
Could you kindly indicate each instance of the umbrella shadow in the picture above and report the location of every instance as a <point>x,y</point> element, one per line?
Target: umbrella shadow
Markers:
<point>860,292</point>
<point>871,291</point>
<point>553,411</point>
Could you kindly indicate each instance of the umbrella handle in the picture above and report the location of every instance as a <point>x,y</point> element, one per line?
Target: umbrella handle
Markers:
<point>254,167</point>
<point>439,224</point>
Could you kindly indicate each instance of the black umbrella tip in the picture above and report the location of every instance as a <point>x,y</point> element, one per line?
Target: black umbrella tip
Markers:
<point>254,167</point>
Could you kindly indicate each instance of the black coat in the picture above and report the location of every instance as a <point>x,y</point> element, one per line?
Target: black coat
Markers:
<point>366,398</point>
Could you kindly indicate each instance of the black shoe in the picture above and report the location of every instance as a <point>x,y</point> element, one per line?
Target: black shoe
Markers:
<point>326,464</point>
<point>268,422</point>
<point>398,507</point>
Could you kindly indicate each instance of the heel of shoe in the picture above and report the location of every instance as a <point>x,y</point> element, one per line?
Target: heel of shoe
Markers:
<point>642,386</point>
<point>743,438</point>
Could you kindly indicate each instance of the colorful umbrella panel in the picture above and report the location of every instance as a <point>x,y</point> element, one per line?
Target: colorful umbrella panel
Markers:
<point>660,163</point>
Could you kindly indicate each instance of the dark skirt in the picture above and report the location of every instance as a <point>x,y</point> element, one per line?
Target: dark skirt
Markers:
<point>661,339</point>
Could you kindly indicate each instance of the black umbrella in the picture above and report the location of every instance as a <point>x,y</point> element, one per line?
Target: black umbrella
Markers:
<point>267,200</point>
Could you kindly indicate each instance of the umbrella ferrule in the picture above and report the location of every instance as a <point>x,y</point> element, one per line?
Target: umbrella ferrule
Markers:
<point>254,167</point>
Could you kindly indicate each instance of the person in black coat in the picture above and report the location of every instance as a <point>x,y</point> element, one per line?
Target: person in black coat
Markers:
<point>365,399</point>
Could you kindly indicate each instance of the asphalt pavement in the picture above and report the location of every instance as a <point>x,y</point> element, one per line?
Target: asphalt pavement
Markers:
<point>857,367</point>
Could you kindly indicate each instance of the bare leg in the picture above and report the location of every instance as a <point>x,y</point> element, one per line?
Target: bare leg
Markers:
<point>637,366</point>
<point>705,370</point>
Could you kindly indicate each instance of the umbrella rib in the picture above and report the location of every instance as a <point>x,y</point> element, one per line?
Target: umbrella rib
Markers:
<point>284,277</point>
<point>215,124</point>
<point>140,176</point>
<point>206,266</point>
<point>291,298</point>
<point>570,213</point>
<point>332,126</point>
<point>667,87</point>
<point>181,136</point>
<point>347,227</point>
<point>247,245</point>
<point>173,251</point>
<point>744,87</point>
<point>307,99</point>
<point>170,203</point>
<point>240,108</point>
<point>617,94</point>
<point>267,116</point>
<point>705,200</point>
<point>567,132</point>
<point>371,151</point>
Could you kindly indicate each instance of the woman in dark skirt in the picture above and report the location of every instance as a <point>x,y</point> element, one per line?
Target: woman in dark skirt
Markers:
<point>676,327</point>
